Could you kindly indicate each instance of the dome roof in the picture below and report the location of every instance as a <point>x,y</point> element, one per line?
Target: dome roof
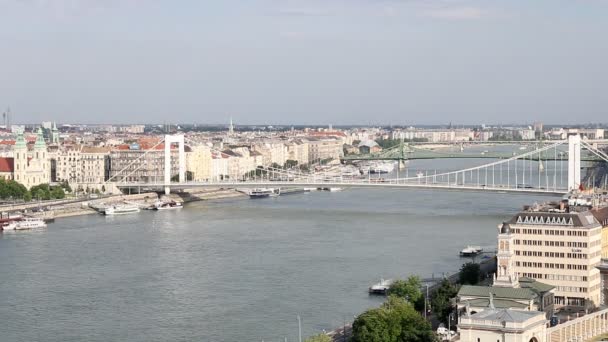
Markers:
<point>505,229</point>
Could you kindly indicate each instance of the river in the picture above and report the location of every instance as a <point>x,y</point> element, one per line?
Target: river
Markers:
<point>236,270</point>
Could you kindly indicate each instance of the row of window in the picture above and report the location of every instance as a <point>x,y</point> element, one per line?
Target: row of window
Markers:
<point>577,244</point>
<point>571,289</point>
<point>551,265</point>
<point>566,277</point>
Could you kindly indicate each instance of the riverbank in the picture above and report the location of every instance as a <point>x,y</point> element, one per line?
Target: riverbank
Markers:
<point>85,207</point>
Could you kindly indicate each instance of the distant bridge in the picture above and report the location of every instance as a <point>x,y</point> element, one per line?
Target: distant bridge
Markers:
<point>531,172</point>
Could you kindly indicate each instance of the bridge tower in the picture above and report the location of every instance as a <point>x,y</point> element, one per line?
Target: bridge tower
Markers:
<point>178,139</point>
<point>574,162</point>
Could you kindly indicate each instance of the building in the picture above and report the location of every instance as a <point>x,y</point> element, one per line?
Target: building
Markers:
<point>324,149</point>
<point>137,163</point>
<point>560,244</point>
<point>198,162</point>
<point>31,167</point>
<point>503,325</point>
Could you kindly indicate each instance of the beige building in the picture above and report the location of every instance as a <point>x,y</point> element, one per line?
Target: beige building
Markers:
<point>138,165</point>
<point>503,325</point>
<point>81,166</point>
<point>198,162</point>
<point>558,246</point>
<point>324,148</point>
<point>298,150</point>
<point>31,167</point>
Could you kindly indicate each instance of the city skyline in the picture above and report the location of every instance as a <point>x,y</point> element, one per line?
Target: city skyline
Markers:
<point>304,62</point>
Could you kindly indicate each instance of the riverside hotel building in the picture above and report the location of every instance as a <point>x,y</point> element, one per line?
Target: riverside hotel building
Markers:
<point>562,244</point>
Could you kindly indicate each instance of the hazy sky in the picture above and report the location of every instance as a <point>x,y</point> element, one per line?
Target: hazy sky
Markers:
<point>305,61</point>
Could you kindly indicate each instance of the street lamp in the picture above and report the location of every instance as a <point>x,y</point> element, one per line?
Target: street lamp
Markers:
<point>299,329</point>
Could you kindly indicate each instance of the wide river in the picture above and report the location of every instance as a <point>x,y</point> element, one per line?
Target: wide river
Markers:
<point>237,270</point>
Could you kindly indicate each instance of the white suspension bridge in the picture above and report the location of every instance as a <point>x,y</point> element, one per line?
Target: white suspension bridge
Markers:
<point>529,172</point>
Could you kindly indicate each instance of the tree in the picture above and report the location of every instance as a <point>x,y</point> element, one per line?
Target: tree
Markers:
<point>441,302</point>
<point>39,194</point>
<point>290,163</point>
<point>66,186</point>
<point>189,176</point>
<point>407,289</point>
<point>27,196</point>
<point>470,273</point>
<point>395,321</point>
<point>318,338</point>
<point>57,192</point>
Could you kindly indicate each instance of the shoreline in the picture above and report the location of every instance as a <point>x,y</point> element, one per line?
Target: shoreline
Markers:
<point>82,208</point>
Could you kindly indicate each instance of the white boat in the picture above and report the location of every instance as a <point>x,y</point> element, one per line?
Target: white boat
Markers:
<point>167,205</point>
<point>9,226</point>
<point>471,251</point>
<point>382,287</point>
<point>264,192</point>
<point>310,189</point>
<point>382,167</point>
<point>121,210</point>
<point>30,223</point>
<point>333,189</point>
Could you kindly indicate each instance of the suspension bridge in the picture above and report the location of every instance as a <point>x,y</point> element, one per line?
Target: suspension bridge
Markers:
<point>554,168</point>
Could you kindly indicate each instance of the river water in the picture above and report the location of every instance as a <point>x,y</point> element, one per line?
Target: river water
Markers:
<point>237,270</point>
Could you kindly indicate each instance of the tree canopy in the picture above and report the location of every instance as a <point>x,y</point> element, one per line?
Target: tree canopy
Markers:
<point>441,302</point>
<point>470,273</point>
<point>410,290</point>
<point>395,321</point>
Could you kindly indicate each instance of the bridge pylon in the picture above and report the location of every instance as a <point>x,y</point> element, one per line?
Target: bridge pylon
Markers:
<point>574,162</point>
<point>170,139</point>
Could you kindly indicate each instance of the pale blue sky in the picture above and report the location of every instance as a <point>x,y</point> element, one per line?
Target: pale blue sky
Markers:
<point>305,61</point>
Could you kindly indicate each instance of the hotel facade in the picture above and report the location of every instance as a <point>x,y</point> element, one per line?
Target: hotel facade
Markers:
<point>560,245</point>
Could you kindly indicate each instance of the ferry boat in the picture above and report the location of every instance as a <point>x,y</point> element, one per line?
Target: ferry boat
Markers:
<point>167,205</point>
<point>382,287</point>
<point>121,210</point>
<point>29,223</point>
<point>264,192</point>
<point>470,251</point>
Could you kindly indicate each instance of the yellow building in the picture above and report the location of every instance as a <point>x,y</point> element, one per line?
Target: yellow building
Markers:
<point>198,162</point>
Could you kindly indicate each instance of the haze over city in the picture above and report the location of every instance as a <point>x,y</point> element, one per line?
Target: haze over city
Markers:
<point>304,62</point>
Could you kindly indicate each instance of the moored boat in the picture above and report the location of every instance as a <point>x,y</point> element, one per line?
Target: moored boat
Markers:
<point>382,287</point>
<point>121,210</point>
<point>167,205</point>
<point>264,192</point>
<point>29,223</point>
<point>9,226</point>
<point>471,251</point>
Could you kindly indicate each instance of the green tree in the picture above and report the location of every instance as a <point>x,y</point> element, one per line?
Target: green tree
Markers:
<point>372,326</point>
<point>409,289</point>
<point>470,273</point>
<point>441,301</point>
<point>27,196</point>
<point>395,321</point>
<point>66,186</point>
<point>57,192</point>
<point>290,163</point>
<point>318,338</point>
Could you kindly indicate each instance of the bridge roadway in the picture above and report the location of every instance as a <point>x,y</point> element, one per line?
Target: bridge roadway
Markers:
<point>387,184</point>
